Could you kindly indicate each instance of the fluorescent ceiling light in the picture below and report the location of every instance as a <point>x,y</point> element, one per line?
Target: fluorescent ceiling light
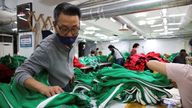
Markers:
<point>159,30</point>
<point>151,22</point>
<point>143,14</point>
<point>176,15</point>
<point>142,22</point>
<point>141,37</point>
<point>153,18</point>
<point>88,32</point>
<point>166,33</point>
<point>134,33</point>
<point>100,35</point>
<point>112,19</point>
<point>112,37</point>
<point>157,25</point>
<point>173,29</point>
<point>82,24</point>
<point>92,28</point>
<point>15,22</point>
<point>114,41</point>
<point>174,24</point>
<point>95,42</point>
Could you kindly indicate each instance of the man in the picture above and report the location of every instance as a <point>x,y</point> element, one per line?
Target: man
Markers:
<point>181,58</point>
<point>181,74</point>
<point>54,54</point>
<point>116,54</point>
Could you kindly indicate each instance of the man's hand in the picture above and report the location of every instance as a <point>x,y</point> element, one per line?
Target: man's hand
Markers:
<point>50,90</point>
<point>35,85</point>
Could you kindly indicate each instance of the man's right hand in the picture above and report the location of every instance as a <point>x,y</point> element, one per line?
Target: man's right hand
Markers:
<point>50,90</point>
<point>35,85</point>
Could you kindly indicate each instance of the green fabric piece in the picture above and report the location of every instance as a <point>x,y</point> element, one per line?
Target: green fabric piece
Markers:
<point>126,55</point>
<point>12,62</point>
<point>125,85</point>
<point>17,96</point>
<point>112,60</point>
<point>172,57</point>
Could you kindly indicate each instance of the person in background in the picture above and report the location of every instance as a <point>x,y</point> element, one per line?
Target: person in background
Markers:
<point>181,58</point>
<point>181,74</point>
<point>97,51</point>
<point>55,54</point>
<point>100,53</point>
<point>134,49</point>
<point>116,54</point>
<point>93,53</point>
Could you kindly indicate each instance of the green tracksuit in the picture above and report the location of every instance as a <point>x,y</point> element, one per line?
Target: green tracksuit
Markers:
<point>15,96</point>
<point>124,85</point>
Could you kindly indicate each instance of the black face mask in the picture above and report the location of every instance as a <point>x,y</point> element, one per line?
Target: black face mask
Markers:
<point>66,40</point>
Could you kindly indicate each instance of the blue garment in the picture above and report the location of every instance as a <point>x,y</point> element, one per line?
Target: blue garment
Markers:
<point>120,61</point>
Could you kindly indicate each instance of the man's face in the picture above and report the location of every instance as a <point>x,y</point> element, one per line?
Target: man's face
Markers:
<point>67,26</point>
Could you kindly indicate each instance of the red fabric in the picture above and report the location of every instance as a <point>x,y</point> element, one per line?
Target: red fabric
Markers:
<point>76,63</point>
<point>138,61</point>
<point>5,74</point>
<point>133,51</point>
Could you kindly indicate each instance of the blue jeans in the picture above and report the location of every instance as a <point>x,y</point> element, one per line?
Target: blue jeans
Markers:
<point>120,61</point>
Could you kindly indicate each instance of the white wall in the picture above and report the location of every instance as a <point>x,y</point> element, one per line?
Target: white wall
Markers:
<point>158,45</point>
<point>123,46</point>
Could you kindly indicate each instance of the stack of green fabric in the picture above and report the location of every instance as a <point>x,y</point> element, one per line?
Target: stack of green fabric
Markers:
<point>124,85</point>
<point>15,96</point>
<point>93,61</point>
<point>12,62</point>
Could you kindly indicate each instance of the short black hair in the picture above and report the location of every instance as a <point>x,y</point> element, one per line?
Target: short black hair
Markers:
<point>182,50</point>
<point>67,9</point>
<point>190,42</point>
<point>111,46</point>
<point>135,45</point>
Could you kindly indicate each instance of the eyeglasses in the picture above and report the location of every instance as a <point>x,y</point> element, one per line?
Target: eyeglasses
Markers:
<point>65,30</point>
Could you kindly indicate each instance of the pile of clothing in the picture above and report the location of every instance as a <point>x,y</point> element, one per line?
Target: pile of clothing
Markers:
<point>15,96</point>
<point>8,64</point>
<point>138,61</point>
<point>119,83</point>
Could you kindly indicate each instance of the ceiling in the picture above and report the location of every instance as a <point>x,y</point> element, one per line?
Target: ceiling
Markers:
<point>150,24</point>
<point>158,23</point>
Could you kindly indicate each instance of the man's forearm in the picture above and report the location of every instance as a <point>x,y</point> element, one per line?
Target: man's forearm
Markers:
<point>33,84</point>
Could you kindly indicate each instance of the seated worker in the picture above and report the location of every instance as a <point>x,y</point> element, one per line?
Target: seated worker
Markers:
<point>116,54</point>
<point>54,54</point>
<point>181,58</point>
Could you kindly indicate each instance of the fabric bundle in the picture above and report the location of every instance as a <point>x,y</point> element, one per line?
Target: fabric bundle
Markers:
<point>12,62</point>
<point>124,85</point>
<point>138,61</point>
